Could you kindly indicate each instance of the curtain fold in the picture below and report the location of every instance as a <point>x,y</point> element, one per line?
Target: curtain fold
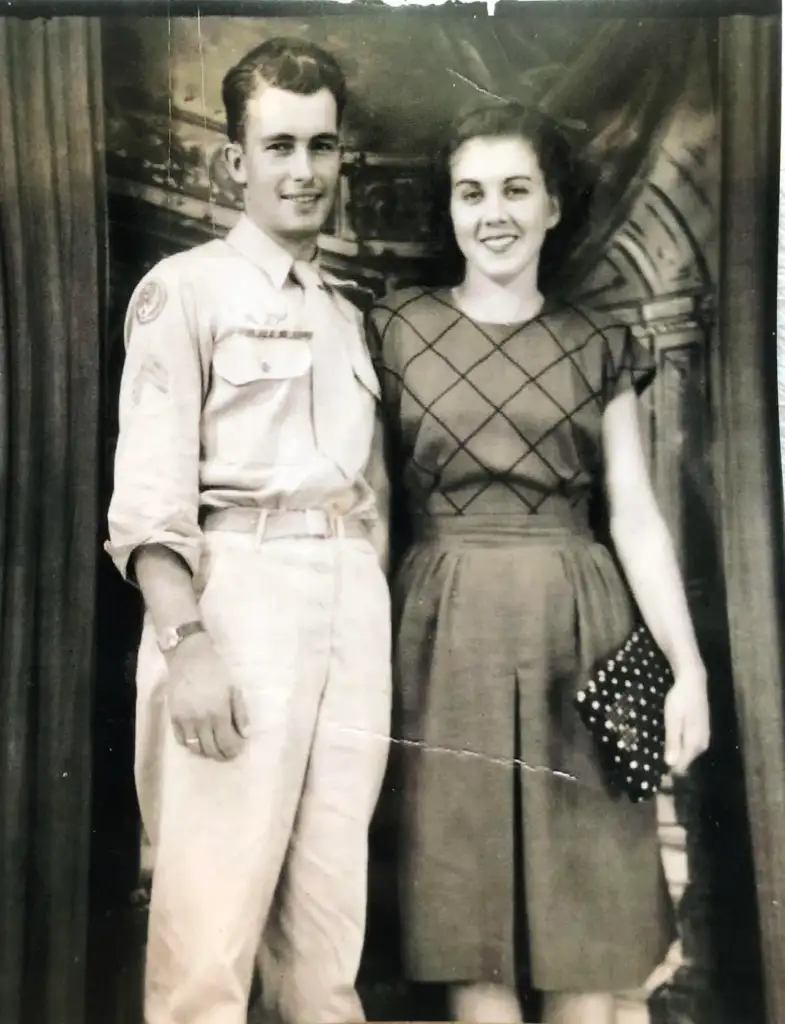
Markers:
<point>52,252</point>
<point>747,451</point>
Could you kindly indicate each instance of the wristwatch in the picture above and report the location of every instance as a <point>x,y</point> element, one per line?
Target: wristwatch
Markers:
<point>173,637</point>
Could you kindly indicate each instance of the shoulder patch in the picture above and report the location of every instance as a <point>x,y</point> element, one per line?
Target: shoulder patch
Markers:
<point>150,301</point>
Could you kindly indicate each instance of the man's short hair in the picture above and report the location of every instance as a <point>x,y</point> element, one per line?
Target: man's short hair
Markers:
<point>292,64</point>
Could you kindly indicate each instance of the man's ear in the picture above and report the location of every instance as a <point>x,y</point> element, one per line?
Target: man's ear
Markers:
<point>234,156</point>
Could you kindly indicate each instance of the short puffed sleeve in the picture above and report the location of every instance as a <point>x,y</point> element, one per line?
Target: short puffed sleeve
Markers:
<point>628,364</point>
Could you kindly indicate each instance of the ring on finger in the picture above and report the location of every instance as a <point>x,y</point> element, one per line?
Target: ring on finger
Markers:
<point>193,741</point>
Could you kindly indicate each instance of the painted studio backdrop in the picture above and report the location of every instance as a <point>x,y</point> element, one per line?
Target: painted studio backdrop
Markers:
<point>642,99</point>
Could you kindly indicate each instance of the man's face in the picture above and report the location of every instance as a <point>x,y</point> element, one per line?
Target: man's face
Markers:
<point>289,164</point>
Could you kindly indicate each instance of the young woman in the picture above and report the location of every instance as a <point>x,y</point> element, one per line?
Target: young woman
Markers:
<point>508,409</point>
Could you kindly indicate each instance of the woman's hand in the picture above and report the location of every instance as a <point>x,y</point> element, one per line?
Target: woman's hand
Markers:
<point>686,719</point>
<point>646,551</point>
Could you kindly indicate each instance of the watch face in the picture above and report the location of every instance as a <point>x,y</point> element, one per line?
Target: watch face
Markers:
<point>172,637</point>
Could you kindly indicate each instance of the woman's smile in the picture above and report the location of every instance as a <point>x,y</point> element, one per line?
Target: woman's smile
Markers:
<point>501,243</point>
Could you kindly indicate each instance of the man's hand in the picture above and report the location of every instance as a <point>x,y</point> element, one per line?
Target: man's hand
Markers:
<point>208,712</point>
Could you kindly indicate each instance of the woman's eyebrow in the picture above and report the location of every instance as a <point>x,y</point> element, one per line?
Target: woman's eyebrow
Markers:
<point>510,177</point>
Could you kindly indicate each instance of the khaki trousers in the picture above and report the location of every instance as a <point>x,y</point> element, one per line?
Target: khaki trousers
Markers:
<point>264,858</point>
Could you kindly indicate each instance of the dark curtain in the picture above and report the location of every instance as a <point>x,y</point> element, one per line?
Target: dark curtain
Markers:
<point>52,271</point>
<point>748,457</point>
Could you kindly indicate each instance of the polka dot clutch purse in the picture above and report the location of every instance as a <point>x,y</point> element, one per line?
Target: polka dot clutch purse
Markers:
<point>623,706</point>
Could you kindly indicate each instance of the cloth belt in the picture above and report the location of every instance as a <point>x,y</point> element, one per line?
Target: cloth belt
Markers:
<point>281,524</point>
<point>567,525</point>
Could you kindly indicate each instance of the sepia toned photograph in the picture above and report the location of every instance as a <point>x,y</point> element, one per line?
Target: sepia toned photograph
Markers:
<point>392,617</point>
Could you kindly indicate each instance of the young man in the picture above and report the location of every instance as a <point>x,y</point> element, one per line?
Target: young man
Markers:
<point>250,508</point>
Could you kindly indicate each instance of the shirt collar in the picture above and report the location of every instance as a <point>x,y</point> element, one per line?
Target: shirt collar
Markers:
<point>257,246</point>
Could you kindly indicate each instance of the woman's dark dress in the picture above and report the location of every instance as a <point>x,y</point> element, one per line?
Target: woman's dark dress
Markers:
<point>517,862</point>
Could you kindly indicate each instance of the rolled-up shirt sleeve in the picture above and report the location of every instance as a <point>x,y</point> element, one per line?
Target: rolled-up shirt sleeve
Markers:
<point>156,474</point>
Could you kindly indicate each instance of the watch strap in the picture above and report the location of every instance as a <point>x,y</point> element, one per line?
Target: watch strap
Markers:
<point>172,638</point>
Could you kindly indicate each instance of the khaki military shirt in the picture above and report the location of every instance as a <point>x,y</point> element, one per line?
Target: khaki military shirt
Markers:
<point>216,397</point>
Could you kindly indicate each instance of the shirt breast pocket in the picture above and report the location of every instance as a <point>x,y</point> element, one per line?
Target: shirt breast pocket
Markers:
<point>258,408</point>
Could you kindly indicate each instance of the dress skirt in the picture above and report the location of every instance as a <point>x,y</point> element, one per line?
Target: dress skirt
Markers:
<point>518,863</point>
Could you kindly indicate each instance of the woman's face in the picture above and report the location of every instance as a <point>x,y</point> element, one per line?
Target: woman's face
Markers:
<point>500,207</point>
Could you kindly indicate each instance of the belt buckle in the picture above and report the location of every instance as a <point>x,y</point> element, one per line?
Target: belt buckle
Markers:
<point>317,523</point>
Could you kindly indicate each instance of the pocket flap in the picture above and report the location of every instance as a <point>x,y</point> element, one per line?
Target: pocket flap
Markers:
<point>242,360</point>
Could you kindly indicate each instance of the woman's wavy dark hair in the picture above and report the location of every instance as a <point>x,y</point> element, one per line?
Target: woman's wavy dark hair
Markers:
<point>567,178</point>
